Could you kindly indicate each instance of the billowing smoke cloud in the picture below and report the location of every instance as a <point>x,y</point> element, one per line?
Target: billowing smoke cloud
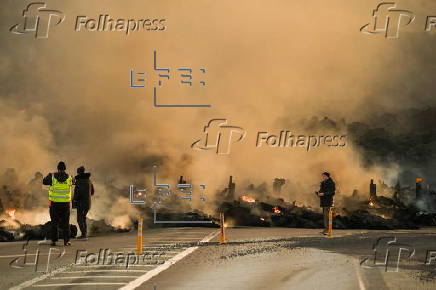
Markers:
<point>269,68</point>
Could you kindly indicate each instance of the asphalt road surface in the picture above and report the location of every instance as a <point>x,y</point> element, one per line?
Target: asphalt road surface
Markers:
<point>252,258</point>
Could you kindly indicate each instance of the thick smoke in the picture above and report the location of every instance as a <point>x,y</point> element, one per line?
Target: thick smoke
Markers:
<point>269,68</point>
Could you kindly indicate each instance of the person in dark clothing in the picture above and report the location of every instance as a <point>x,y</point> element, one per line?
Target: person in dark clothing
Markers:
<point>83,191</point>
<point>326,192</point>
<point>60,202</point>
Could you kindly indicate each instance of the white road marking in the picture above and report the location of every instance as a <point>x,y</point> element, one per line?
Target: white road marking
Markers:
<point>196,237</point>
<point>359,276</point>
<point>100,266</point>
<point>86,277</point>
<point>79,284</point>
<point>21,255</point>
<point>175,234</point>
<point>159,243</point>
<point>160,267</point>
<point>103,271</point>
<point>150,274</point>
<point>37,279</point>
<point>191,231</point>
<point>154,252</point>
<point>163,242</point>
<point>154,248</point>
<point>147,265</point>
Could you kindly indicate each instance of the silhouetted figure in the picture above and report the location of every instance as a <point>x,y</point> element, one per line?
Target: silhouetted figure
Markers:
<point>83,191</point>
<point>327,190</point>
<point>231,189</point>
<point>277,184</point>
<point>355,193</point>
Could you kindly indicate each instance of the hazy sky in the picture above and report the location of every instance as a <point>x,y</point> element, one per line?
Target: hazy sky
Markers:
<point>68,97</point>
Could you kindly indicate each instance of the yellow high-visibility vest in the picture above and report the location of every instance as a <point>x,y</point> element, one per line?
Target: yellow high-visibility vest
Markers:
<point>60,191</point>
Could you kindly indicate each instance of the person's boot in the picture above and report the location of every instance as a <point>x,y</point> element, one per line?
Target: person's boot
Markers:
<point>67,243</point>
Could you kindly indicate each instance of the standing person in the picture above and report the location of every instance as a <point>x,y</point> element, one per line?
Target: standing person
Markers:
<point>326,192</point>
<point>83,191</point>
<point>59,196</point>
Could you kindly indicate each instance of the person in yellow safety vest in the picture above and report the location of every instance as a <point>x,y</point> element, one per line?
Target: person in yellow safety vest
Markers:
<point>59,196</point>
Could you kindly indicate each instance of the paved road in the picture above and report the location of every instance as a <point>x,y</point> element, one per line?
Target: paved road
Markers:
<point>253,258</point>
<point>277,258</point>
<point>81,267</point>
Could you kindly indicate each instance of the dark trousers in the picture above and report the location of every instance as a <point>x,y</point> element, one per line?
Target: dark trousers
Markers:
<point>82,211</point>
<point>60,217</point>
<point>325,213</point>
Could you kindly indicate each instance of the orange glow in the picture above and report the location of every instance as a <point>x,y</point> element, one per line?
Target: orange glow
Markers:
<point>246,198</point>
<point>372,200</point>
<point>11,212</point>
<point>276,210</point>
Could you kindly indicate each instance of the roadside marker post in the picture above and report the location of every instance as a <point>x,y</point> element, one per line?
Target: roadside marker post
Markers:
<point>223,232</point>
<point>139,237</point>
<point>330,228</point>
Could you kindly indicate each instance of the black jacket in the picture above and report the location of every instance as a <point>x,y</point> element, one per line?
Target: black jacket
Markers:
<point>328,188</point>
<point>83,190</point>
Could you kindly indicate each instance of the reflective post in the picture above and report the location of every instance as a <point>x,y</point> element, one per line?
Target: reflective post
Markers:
<point>139,237</point>
<point>330,228</point>
<point>223,232</point>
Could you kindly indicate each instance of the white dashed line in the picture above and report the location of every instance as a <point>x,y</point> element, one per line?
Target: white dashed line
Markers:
<point>150,274</point>
<point>78,284</point>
